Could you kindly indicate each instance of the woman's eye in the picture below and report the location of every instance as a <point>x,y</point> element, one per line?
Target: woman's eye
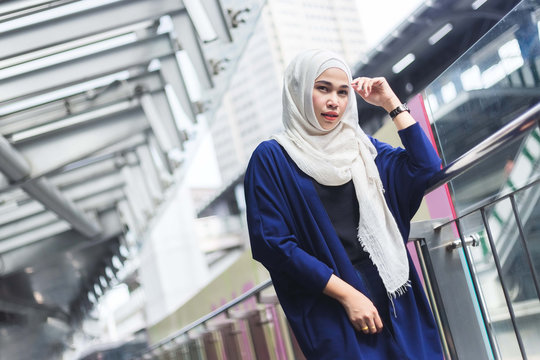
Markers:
<point>322,88</point>
<point>344,92</point>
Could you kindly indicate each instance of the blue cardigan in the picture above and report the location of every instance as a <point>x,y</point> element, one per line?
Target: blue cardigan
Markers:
<point>292,236</point>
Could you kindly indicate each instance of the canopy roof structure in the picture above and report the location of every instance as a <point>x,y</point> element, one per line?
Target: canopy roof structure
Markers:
<point>101,105</point>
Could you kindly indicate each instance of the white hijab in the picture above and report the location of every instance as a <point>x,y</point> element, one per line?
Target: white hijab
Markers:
<point>334,157</point>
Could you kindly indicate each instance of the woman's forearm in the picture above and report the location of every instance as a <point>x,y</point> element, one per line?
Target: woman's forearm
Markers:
<point>338,289</point>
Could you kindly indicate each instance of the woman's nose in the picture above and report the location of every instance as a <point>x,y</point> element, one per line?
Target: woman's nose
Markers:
<point>332,100</point>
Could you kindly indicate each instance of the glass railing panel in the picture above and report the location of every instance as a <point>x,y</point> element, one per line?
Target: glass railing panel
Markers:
<point>493,82</point>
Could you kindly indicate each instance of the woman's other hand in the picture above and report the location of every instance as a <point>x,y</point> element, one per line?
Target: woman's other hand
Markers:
<point>360,310</point>
<point>362,313</point>
<point>376,91</point>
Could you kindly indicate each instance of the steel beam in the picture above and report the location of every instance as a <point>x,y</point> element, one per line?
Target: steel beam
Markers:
<point>81,174</point>
<point>12,163</point>
<point>47,194</point>
<point>15,167</point>
<point>105,194</point>
<point>55,53</point>
<point>145,189</point>
<point>42,226</point>
<point>41,189</point>
<point>33,236</point>
<point>54,103</point>
<point>137,194</point>
<point>217,17</point>
<point>128,216</point>
<point>104,161</point>
<point>38,35</point>
<point>160,159</point>
<point>91,187</point>
<point>150,170</point>
<point>98,64</point>
<point>186,35</point>
<point>161,121</point>
<point>80,142</point>
<point>111,221</point>
<point>121,147</point>
<point>72,121</point>
<point>22,211</point>
<point>103,200</point>
<point>173,76</point>
<point>16,9</point>
<point>165,106</point>
<point>26,224</point>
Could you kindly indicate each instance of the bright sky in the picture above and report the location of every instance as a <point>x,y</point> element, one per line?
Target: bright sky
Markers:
<point>380,17</point>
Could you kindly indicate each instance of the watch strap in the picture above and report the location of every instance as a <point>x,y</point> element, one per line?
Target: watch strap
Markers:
<point>401,108</point>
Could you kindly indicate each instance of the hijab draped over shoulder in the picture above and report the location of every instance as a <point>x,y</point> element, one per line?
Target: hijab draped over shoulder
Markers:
<point>337,156</point>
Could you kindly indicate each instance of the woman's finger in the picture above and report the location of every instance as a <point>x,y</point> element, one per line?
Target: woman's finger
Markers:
<point>358,79</point>
<point>378,323</point>
<point>366,88</point>
<point>363,327</point>
<point>372,329</point>
<point>359,85</point>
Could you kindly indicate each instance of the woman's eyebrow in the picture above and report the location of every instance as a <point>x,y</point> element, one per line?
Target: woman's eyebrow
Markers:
<point>324,82</point>
<point>328,83</point>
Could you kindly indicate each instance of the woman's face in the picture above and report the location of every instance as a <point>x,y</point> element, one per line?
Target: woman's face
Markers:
<point>330,97</point>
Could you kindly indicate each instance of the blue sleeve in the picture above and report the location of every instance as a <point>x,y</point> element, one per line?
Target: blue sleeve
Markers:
<point>271,223</point>
<point>406,172</point>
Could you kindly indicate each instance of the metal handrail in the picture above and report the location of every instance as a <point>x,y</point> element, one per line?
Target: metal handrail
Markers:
<point>251,292</point>
<point>503,137</point>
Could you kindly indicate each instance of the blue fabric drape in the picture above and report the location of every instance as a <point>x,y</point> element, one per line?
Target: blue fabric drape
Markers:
<point>292,236</point>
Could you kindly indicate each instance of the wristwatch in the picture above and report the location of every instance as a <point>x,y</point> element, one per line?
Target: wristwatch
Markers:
<point>401,108</point>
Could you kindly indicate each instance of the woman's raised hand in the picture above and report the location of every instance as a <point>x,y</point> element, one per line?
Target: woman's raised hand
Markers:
<point>376,91</point>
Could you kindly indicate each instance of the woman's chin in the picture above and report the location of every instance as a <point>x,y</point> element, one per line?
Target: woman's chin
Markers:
<point>329,125</point>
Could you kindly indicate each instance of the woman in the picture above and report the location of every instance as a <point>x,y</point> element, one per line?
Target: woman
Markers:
<point>328,212</point>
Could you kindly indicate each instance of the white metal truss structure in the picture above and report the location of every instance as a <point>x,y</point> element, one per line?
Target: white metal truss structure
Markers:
<point>98,100</point>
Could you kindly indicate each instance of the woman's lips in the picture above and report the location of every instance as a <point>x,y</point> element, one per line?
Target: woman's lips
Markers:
<point>331,116</point>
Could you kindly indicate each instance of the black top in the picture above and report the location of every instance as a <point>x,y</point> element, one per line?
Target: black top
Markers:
<point>341,205</point>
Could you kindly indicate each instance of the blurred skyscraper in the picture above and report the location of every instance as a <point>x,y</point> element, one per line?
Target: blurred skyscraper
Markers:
<point>251,109</point>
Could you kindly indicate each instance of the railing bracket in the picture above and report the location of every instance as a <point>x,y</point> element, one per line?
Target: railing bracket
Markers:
<point>471,240</point>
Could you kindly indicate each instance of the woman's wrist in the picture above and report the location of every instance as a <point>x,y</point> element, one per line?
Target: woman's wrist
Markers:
<point>391,104</point>
<point>339,289</point>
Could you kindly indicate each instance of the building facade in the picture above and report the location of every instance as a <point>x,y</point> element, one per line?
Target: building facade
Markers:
<point>251,109</point>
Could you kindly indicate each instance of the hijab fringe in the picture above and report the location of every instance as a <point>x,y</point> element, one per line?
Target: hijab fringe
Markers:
<point>400,291</point>
<point>391,295</point>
